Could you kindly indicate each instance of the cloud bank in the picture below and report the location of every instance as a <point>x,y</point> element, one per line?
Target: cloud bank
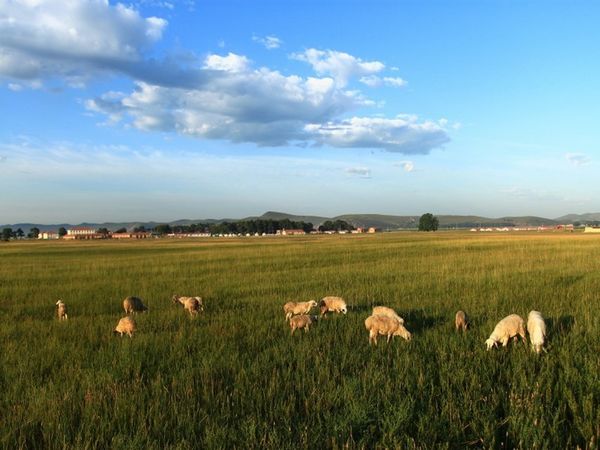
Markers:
<point>224,97</point>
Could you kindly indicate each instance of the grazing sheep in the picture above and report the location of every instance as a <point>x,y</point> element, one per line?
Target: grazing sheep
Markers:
<point>385,326</point>
<point>294,308</point>
<point>509,327</point>
<point>126,326</point>
<point>302,321</point>
<point>134,304</point>
<point>388,312</point>
<point>61,310</point>
<point>461,321</point>
<point>191,304</point>
<point>537,330</point>
<point>334,304</point>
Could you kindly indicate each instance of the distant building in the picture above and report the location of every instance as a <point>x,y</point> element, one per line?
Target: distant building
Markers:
<point>83,233</point>
<point>592,229</point>
<point>138,235</point>
<point>292,232</point>
<point>372,230</point>
<point>48,235</point>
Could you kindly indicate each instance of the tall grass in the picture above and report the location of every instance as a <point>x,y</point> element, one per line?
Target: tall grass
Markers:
<point>235,378</point>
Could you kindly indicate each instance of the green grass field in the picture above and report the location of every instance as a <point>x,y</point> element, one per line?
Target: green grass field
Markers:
<point>235,378</point>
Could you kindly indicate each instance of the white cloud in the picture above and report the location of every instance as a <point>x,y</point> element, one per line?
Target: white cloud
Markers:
<point>404,134</point>
<point>578,159</point>
<point>362,172</point>
<point>270,42</point>
<point>71,39</point>
<point>376,81</point>
<point>339,65</point>
<point>407,166</point>
<point>229,63</point>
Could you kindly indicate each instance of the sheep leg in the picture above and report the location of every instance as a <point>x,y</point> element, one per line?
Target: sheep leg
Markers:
<point>389,336</point>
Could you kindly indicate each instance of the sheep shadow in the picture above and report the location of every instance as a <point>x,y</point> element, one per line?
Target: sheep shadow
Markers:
<point>360,309</point>
<point>560,326</point>
<point>417,321</point>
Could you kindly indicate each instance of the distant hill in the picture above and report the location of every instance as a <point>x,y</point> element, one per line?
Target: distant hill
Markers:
<point>381,221</point>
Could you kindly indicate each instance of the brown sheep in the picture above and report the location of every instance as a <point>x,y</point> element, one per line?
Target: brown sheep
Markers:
<point>191,304</point>
<point>61,310</point>
<point>385,326</point>
<point>126,326</point>
<point>302,321</point>
<point>294,308</point>
<point>461,321</point>
<point>134,304</point>
<point>334,304</point>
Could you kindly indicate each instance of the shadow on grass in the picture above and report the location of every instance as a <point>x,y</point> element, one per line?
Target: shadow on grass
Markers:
<point>560,326</point>
<point>417,321</point>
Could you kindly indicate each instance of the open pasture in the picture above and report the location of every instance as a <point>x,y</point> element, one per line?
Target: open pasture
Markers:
<point>234,377</point>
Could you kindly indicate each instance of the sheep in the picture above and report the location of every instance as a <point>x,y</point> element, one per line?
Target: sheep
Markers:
<point>537,330</point>
<point>191,304</point>
<point>335,304</point>
<point>461,321</point>
<point>387,326</point>
<point>388,312</point>
<point>509,327</point>
<point>61,310</point>
<point>134,304</point>
<point>293,308</point>
<point>126,326</point>
<point>302,321</point>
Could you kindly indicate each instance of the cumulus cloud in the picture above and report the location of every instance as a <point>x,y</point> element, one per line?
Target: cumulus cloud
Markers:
<point>339,65</point>
<point>269,42</point>
<point>578,159</point>
<point>362,172</point>
<point>72,39</point>
<point>403,134</point>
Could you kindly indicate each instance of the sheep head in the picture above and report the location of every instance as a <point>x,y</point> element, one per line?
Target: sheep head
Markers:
<point>490,343</point>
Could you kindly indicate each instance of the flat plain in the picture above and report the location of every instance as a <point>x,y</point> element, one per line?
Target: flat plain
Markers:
<point>235,378</point>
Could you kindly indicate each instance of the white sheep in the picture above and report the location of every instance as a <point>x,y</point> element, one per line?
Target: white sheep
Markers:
<point>385,326</point>
<point>61,310</point>
<point>388,312</point>
<point>191,304</point>
<point>294,308</point>
<point>126,326</point>
<point>134,304</point>
<point>537,330</point>
<point>302,321</point>
<point>334,304</point>
<point>461,321</point>
<point>509,327</point>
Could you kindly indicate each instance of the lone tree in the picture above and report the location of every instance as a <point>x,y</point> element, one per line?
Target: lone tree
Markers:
<point>428,222</point>
<point>62,231</point>
<point>33,233</point>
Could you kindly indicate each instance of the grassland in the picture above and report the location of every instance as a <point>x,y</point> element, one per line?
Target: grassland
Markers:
<point>235,378</point>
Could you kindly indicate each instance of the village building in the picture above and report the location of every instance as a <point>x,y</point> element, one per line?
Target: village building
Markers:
<point>83,233</point>
<point>133,235</point>
<point>292,232</point>
<point>591,229</point>
<point>46,235</point>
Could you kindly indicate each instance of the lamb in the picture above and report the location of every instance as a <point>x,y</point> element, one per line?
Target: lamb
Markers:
<point>537,330</point>
<point>386,326</point>
<point>134,304</point>
<point>293,308</point>
<point>191,304</point>
<point>461,321</point>
<point>61,310</point>
<point>126,326</point>
<point>388,312</point>
<point>334,304</point>
<point>302,321</point>
<point>509,327</point>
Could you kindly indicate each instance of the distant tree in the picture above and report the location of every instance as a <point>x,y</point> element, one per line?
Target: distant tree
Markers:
<point>7,233</point>
<point>163,229</point>
<point>576,224</point>
<point>103,231</point>
<point>140,229</point>
<point>33,233</point>
<point>62,231</point>
<point>428,222</point>
<point>121,230</point>
<point>19,233</point>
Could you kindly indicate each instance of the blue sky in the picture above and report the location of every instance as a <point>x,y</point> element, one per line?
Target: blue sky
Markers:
<point>164,109</point>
